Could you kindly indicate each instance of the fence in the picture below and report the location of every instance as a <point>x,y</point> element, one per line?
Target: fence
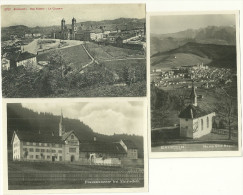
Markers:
<point>225,132</point>
<point>74,176</point>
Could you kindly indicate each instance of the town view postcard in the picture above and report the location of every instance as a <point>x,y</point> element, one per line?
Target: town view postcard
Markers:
<point>194,86</point>
<point>90,146</point>
<point>73,50</point>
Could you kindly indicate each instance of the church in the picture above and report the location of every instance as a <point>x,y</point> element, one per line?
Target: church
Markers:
<point>195,121</point>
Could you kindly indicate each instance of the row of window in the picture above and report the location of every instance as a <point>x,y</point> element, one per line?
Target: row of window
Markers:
<point>43,157</point>
<point>41,144</point>
<point>41,150</point>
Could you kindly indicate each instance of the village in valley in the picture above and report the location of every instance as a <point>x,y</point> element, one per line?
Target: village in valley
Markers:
<point>74,58</point>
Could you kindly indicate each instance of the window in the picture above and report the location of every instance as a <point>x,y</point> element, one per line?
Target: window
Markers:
<point>31,156</point>
<point>31,144</point>
<point>25,149</point>
<point>59,151</point>
<point>37,150</point>
<point>201,124</point>
<point>72,136</point>
<point>42,150</point>
<point>37,156</point>
<point>27,143</point>
<point>60,158</point>
<point>48,157</point>
<point>47,150</point>
<point>31,150</point>
<point>48,144</point>
<point>53,151</point>
<point>207,122</point>
<point>72,149</point>
<point>45,144</point>
<point>34,144</point>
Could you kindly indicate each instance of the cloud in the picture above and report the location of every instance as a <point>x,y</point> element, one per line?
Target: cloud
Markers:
<point>103,117</point>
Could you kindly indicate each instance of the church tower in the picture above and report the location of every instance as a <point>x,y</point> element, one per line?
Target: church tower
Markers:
<point>62,25</point>
<point>61,127</point>
<point>193,96</point>
<point>74,28</point>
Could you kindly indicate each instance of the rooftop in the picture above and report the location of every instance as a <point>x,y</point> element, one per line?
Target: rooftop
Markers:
<point>129,144</point>
<point>104,147</point>
<point>192,111</point>
<point>38,138</point>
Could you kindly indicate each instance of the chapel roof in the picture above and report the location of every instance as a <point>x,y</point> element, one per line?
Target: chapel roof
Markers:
<point>192,111</point>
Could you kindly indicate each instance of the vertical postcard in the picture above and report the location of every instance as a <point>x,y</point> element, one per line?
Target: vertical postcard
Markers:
<point>194,84</point>
<point>73,146</point>
<point>81,50</point>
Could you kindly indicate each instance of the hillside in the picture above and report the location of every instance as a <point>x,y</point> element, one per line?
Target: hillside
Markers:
<point>219,35</point>
<point>120,23</point>
<point>223,56</point>
<point>23,119</point>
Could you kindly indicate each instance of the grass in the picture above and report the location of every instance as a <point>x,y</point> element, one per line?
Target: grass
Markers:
<point>108,52</point>
<point>75,55</point>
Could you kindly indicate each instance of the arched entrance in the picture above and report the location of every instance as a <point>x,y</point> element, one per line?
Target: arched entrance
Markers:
<point>72,158</point>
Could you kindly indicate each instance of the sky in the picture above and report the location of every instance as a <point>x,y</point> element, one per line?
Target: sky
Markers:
<point>103,117</point>
<point>52,15</point>
<point>174,23</point>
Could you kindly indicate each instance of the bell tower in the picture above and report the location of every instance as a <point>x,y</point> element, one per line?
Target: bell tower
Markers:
<point>193,95</point>
<point>74,28</point>
<point>62,24</point>
<point>61,127</point>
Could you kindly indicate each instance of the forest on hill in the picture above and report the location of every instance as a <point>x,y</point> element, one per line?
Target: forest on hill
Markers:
<point>221,56</point>
<point>24,119</point>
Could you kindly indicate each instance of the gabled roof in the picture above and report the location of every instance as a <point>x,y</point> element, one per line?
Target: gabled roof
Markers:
<point>18,56</point>
<point>129,144</point>
<point>192,111</point>
<point>67,134</point>
<point>38,138</point>
<point>102,147</point>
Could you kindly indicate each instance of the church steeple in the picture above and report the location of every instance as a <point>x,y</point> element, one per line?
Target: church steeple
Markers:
<point>193,95</point>
<point>61,127</point>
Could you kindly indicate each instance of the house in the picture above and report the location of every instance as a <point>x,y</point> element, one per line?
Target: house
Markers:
<point>21,59</point>
<point>5,64</point>
<point>98,152</point>
<point>130,148</point>
<point>194,120</point>
<point>45,147</point>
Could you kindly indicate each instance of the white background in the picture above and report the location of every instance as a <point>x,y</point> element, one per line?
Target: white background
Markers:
<point>189,176</point>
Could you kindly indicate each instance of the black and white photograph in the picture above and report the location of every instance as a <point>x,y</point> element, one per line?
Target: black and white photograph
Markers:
<point>79,50</point>
<point>194,83</point>
<point>76,145</point>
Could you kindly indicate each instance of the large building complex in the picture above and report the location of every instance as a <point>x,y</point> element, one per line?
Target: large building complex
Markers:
<point>66,147</point>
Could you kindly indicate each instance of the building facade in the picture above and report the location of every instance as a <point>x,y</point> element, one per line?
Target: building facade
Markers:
<point>130,148</point>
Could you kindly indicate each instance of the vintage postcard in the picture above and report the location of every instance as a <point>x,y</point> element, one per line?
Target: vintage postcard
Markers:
<point>80,50</point>
<point>76,146</point>
<point>194,84</point>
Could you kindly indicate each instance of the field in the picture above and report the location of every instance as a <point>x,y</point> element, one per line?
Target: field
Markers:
<point>48,175</point>
<point>75,55</point>
<point>107,52</point>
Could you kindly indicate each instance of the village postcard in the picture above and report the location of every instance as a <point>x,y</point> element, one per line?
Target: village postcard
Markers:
<point>81,50</point>
<point>195,107</point>
<point>73,146</point>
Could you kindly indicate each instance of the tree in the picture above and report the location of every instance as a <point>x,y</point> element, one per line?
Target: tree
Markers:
<point>226,108</point>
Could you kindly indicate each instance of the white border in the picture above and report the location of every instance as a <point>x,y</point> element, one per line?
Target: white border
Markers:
<point>202,153</point>
<point>69,100</point>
